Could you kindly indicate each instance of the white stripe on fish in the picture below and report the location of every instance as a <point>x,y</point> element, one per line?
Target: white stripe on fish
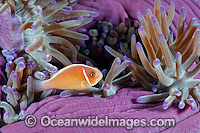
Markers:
<point>86,77</point>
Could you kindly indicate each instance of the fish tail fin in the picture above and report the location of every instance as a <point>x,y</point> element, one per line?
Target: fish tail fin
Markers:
<point>37,86</point>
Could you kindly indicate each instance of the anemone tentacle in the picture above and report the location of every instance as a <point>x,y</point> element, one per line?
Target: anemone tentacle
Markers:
<point>38,38</point>
<point>168,61</point>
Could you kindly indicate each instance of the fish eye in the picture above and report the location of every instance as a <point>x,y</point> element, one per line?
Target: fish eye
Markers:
<point>92,74</point>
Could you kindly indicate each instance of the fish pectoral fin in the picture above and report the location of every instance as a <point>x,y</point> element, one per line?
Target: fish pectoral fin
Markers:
<point>68,93</point>
<point>85,84</point>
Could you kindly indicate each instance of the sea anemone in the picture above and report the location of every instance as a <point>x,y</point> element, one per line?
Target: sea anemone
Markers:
<point>111,83</point>
<point>38,37</point>
<point>119,38</point>
<point>105,33</point>
<point>165,68</point>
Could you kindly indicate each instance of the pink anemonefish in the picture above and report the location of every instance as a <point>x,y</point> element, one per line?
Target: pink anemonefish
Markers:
<point>72,77</point>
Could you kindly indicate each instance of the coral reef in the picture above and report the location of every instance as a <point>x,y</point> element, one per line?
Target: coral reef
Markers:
<point>166,67</point>
<point>38,38</point>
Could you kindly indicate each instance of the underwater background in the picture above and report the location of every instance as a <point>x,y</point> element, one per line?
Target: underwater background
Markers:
<point>147,50</point>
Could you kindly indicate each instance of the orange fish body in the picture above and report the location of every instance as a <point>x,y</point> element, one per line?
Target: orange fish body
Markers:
<point>72,77</point>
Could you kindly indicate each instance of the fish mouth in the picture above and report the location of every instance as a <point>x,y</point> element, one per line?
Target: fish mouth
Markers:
<point>86,77</point>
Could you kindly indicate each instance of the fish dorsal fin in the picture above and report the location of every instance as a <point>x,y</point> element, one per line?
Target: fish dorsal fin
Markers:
<point>86,77</point>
